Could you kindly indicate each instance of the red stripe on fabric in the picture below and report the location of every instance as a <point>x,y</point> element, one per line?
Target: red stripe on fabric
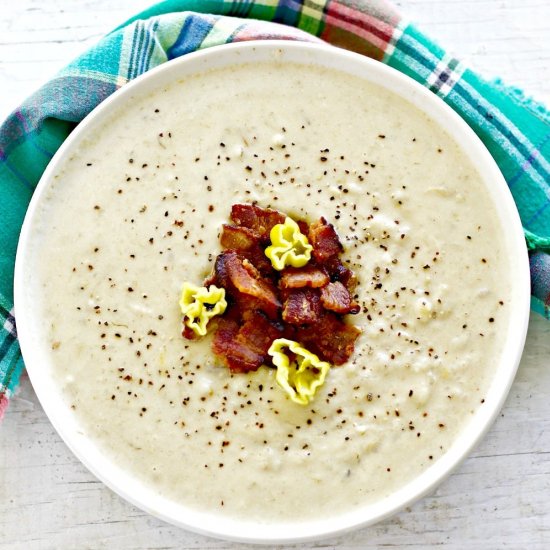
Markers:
<point>333,22</point>
<point>3,404</point>
<point>271,31</point>
<point>366,26</point>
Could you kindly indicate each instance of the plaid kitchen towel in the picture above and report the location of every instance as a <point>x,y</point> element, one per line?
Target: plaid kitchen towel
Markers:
<point>515,130</point>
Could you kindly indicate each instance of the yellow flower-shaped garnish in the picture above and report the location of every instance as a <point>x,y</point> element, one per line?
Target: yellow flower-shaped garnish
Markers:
<point>289,246</point>
<point>199,304</point>
<point>304,376</point>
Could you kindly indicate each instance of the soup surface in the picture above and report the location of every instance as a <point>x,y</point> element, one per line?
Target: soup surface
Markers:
<point>138,209</point>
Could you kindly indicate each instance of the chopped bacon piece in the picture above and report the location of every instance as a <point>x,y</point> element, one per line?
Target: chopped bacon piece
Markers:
<point>246,305</point>
<point>315,296</point>
<point>330,338</point>
<point>258,333</point>
<point>325,241</point>
<point>188,333</point>
<point>237,356</point>
<point>302,306</point>
<point>247,243</point>
<point>260,220</point>
<point>289,331</point>
<point>225,333</point>
<point>260,261</point>
<point>234,272</point>
<point>244,349</point>
<point>238,238</point>
<point>298,277</point>
<point>210,280</point>
<point>339,272</point>
<point>241,358</point>
<point>219,277</point>
<point>335,296</point>
<point>304,227</point>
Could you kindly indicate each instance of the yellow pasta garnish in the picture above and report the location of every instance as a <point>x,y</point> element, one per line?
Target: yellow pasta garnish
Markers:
<point>304,376</point>
<point>199,304</point>
<point>289,246</point>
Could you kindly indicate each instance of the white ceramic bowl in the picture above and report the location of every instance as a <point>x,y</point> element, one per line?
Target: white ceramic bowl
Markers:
<point>145,498</point>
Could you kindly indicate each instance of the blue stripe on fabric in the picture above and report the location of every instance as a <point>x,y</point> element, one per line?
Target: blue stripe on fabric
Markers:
<point>523,168</point>
<point>22,121</point>
<point>237,30</point>
<point>538,213</point>
<point>242,9</point>
<point>7,342</point>
<point>141,38</point>
<point>48,154</point>
<point>288,12</point>
<point>193,32</point>
<point>142,50</point>
<point>133,51</point>
<point>151,46</point>
<point>526,150</point>
<point>153,43</point>
<point>414,51</point>
<point>147,48</point>
<point>10,378</point>
<point>462,105</point>
<point>136,50</point>
<point>18,174</point>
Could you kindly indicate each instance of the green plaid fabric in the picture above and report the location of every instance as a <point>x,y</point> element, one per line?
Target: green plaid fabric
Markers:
<point>516,131</point>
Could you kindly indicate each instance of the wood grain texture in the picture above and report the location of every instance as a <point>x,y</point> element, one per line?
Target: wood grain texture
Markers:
<point>498,498</point>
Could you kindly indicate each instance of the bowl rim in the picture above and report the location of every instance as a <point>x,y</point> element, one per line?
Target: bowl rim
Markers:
<point>344,61</point>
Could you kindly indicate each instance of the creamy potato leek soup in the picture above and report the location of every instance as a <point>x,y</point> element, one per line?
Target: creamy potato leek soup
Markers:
<point>138,210</point>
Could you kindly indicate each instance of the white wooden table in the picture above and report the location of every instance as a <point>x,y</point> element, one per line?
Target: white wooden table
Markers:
<point>498,498</point>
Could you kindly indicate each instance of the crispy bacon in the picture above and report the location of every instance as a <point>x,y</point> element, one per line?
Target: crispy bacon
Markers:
<point>238,357</point>
<point>188,333</point>
<point>225,334</point>
<point>330,338</point>
<point>260,261</point>
<point>237,275</point>
<point>289,331</point>
<point>219,276</point>
<point>241,358</point>
<point>325,241</point>
<point>335,297</point>
<point>210,280</point>
<point>299,277</point>
<point>238,238</point>
<point>304,227</point>
<point>260,220</point>
<point>315,297</point>
<point>258,333</point>
<point>339,272</point>
<point>247,305</point>
<point>302,306</point>
<point>244,349</point>
<point>247,243</point>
